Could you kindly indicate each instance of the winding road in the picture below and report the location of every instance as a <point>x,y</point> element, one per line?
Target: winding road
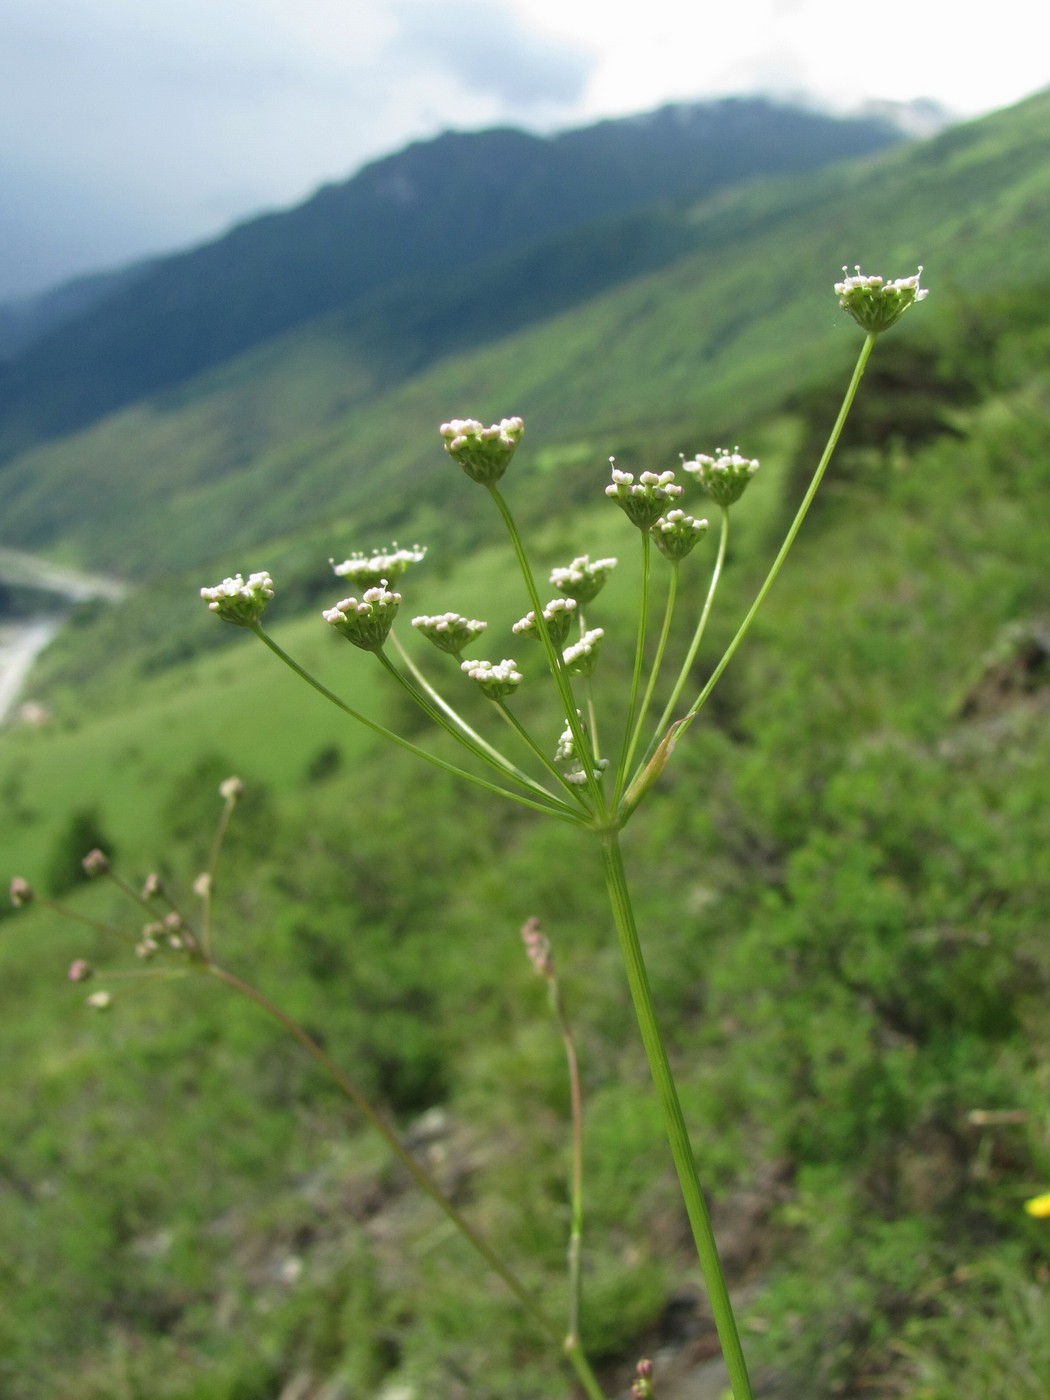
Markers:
<point>22,642</point>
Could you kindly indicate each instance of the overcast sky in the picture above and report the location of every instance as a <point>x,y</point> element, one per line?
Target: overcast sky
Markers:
<point>136,126</point>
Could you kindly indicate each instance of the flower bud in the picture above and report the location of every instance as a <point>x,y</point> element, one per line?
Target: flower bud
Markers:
<point>537,947</point>
<point>95,863</point>
<point>642,501</point>
<point>724,476</point>
<point>99,1001</point>
<point>558,616</point>
<point>450,632</point>
<point>230,789</point>
<point>483,453</point>
<point>565,754</point>
<point>366,623</point>
<point>21,892</point>
<point>876,304</point>
<point>675,533</point>
<point>382,567</point>
<point>583,580</point>
<point>582,657</point>
<point>239,602</point>
<point>80,971</point>
<point>495,680</point>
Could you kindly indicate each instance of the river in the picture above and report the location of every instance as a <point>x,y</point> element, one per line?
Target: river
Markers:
<point>21,642</point>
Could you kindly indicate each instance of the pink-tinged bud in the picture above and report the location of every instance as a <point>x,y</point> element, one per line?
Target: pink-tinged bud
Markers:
<point>642,1388</point>
<point>538,947</point>
<point>80,971</point>
<point>152,887</point>
<point>95,863</point>
<point>21,892</point>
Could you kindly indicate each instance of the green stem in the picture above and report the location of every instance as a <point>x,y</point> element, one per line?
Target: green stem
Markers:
<point>674,1121</point>
<point>576,1175</point>
<point>490,752</point>
<point>661,646</point>
<point>419,1175</point>
<point>796,525</point>
<point>636,677</point>
<point>450,727</point>
<point>701,627</point>
<point>523,734</point>
<point>77,918</point>
<point>562,812</point>
<point>554,660</point>
<point>210,869</point>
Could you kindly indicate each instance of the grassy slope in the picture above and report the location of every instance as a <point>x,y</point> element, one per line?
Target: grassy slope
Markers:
<point>894,827</point>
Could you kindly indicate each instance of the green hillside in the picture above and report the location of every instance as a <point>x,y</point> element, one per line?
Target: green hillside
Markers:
<point>841,878</point>
<point>290,438</point>
<point>436,210</point>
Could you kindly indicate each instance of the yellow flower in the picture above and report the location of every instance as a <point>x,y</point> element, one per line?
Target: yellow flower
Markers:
<point>1039,1206</point>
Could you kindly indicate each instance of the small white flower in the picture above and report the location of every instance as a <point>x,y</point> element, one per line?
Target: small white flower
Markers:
<point>382,566</point>
<point>496,679</point>
<point>239,602</point>
<point>876,304</point>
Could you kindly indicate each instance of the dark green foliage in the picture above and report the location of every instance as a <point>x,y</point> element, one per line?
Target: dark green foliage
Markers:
<point>83,832</point>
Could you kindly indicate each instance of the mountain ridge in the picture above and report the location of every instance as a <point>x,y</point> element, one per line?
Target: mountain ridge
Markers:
<point>432,210</point>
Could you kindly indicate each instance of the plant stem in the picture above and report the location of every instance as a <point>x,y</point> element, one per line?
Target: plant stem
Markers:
<point>636,675</point>
<point>419,1174</point>
<point>789,538</point>
<point>554,660</point>
<point>576,1175</point>
<point>701,627</point>
<point>453,726</point>
<point>674,1121</point>
<point>481,745</point>
<point>672,592</point>
<point>526,738</point>
<point>562,812</point>
<point>213,864</point>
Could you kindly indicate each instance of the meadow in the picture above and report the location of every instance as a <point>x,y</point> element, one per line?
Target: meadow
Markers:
<point>841,881</point>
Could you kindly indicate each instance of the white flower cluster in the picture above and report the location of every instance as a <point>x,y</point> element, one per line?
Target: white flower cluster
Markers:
<point>642,501</point>
<point>675,533</point>
<point>383,566</point>
<point>724,476</point>
<point>450,632</point>
<point>483,453</point>
<point>239,602</point>
<point>876,304</point>
<point>566,755</point>
<point>582,579</point>
<point>558,615</point>
<point>496,679</point>
<point>582,657</point>
<point>365,622</point>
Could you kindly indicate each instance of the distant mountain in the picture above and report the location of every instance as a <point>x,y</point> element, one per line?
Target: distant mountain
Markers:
<point>24,322</point>
<point>726,312</point>
<point>438,209</point>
